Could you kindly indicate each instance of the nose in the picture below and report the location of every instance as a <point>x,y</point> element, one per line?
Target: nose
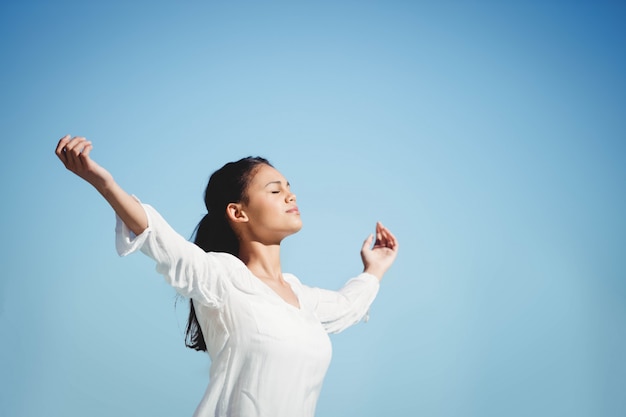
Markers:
<point>291,197</point>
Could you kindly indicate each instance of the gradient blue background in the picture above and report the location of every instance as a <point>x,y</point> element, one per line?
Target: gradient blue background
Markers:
<point>489,136</point>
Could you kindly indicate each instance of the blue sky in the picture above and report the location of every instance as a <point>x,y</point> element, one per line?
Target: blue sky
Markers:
<point>489,136</point>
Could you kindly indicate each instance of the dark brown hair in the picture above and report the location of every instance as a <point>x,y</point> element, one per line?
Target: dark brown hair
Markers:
<point>214,234</point>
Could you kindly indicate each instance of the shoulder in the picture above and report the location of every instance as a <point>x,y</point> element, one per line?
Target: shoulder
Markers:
<point>228,260</point>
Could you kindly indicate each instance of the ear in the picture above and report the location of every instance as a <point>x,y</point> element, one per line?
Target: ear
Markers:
<point>235,213</point>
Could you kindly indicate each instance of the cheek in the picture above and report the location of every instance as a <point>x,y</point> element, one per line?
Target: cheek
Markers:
<point>263,212</point>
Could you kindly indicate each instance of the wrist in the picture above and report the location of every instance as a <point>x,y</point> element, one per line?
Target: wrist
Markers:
<point>377,272</point>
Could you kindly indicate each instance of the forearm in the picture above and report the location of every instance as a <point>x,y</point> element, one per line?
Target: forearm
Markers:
<point>126,207</point>
<point>74,153</point>
<point>378,272</point>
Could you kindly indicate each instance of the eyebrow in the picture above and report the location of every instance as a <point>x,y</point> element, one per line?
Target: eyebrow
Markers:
<point>277,182</point>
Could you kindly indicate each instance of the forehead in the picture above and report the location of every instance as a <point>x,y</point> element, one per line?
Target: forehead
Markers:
<point>266,174</point>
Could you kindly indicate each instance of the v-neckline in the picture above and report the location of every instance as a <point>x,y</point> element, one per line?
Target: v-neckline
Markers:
<point>271,290</point>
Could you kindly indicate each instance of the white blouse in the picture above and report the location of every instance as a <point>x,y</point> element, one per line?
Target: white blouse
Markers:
<point>268,358</point>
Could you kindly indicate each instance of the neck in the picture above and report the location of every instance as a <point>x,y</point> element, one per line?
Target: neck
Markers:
<point>261,259</point>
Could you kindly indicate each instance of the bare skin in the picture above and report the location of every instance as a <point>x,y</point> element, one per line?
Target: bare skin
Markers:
<point>74,153</point>
<point>261,223</point>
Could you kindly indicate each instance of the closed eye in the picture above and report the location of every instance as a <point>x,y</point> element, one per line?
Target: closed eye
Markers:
<point>280,185</point>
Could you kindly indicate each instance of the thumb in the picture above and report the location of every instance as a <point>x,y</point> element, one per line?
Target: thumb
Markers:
<point>367,244</point>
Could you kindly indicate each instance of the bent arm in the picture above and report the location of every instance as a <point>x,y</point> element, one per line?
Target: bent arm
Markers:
<point>185,266</point>
<point>338,310</point>
<point>74,153</point>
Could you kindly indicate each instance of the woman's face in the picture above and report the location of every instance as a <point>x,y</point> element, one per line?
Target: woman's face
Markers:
<point>271,206</point>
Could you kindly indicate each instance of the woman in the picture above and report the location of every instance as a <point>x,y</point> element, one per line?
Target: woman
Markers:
<point>266,333</point>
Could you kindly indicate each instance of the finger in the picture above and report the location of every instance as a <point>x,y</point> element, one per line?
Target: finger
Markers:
<point>86,150</point>
<point>75,143</point>
<point>386,235</point>
<point>70,150</point>
<point>378,233</point>
<point>59,151</point>
<point>391,239</point>
<point>61,144</point>
<point>73,150</point>
<point>387,239</point>
<point>84,155</point>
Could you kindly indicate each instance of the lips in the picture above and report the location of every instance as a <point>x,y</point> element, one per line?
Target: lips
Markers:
<point>293,210</point>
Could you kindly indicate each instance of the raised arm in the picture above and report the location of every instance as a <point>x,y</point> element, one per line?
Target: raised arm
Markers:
<point>74,153</point>
<point>338,310</point>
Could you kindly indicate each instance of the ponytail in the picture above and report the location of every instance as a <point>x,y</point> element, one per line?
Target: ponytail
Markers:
<point>214,234</point>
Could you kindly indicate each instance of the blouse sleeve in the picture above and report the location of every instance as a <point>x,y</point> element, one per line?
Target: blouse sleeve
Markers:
<point>193,272</point>
<point>338,310</point>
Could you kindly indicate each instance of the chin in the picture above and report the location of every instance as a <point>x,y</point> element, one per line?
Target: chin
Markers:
<point>296,228</point>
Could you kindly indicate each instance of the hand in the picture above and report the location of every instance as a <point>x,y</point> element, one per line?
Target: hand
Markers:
<point>378,258</point>
<point>74,153</point>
